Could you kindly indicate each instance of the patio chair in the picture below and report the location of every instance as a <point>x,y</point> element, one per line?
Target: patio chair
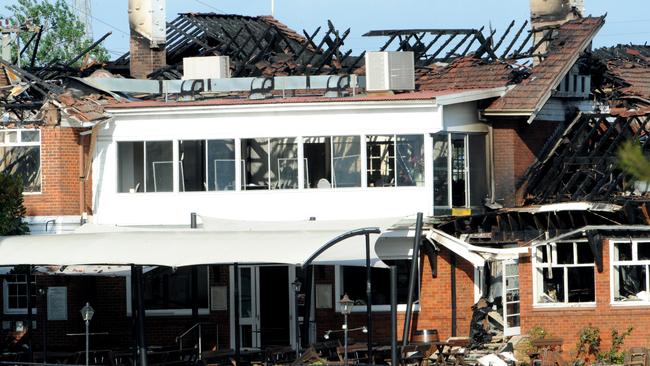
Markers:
<point>636,356</point>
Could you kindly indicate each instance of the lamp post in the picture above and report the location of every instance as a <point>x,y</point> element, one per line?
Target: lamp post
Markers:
<point>346,309</point>
<point>87,313</point>
<point>296,290</point>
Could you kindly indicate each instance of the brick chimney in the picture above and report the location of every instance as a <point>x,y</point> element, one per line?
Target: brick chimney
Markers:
<point>147,40</point>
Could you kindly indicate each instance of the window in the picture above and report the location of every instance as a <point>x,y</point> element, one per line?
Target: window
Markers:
<point>395,160</point>
<point>15,294</point>
<point>145,166</point>
<point>166,289</point>
<point>564,273</point>
<point>206,165</point>
<point>269,163</point>
<point>630,270</point>
<point>20,155</point>
<point>460,171</point>
<point>332,162</point>
<point>353,283</point>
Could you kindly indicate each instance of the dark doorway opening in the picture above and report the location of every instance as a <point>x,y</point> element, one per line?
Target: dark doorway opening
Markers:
<point>274,306</point>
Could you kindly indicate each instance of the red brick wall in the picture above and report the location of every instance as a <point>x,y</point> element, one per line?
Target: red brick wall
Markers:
<point>567,322</point>
<point>60,175</point>
<point>435,296</point>
<point>516,146</point>
<point>144,59</point>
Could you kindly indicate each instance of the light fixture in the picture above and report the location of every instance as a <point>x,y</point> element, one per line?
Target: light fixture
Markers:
<point>364,329</point>
<point>327,334</point>
<point>296,285</point>
<point>87,312</point>
<point>346,305</point>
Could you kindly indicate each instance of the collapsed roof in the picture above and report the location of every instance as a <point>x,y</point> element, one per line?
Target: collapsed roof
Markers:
<point>626,73</point>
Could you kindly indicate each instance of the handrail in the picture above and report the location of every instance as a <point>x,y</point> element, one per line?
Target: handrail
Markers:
<point>179,338</point>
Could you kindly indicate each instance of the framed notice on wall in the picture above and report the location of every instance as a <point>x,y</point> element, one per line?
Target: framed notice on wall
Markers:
<point>57,303</point>
<point>323,296</point>
<point>218,298</point>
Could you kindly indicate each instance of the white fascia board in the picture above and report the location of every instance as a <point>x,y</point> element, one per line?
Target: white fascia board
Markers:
<point>274,108</point>
<point>471,96</point>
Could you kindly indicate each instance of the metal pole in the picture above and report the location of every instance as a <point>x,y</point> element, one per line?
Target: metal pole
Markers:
<point>200,342</point>
<point>453,294</point>
<point>368,298</point>
<point>30,313</point>
<point>308,272</point>
<point>393,315</point>
<point>296,317</point>
<point>345,339</point>
<point>44,303</point>
<point>237,330</point>
<point>87,342</point>
<point>412,278</point>
<point>142,346</point>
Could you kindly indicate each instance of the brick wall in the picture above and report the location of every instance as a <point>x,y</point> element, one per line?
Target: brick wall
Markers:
<point>516,146</point>
<point>143,58</point>
<point>60,175</point>
<point>567,322</point>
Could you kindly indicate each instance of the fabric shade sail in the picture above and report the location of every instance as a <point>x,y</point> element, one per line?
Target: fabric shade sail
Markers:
<point>239,242</point>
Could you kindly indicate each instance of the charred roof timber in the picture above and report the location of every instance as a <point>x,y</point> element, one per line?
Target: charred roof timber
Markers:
<point>256,46</point>
<point>443,45</point>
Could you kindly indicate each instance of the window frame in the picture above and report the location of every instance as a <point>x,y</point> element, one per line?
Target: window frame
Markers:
<point>19,143</point>
<point>633,262</point>
<point>5,295</point>
<point>394,168</point>
<point>145,176</point>
<point>338,293</point>
<point>468,168</point>
<point>538,277</point>
<point>166,312</point>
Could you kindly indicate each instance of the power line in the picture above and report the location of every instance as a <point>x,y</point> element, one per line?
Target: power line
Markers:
<point>210,6</point>
<point>103,22</point>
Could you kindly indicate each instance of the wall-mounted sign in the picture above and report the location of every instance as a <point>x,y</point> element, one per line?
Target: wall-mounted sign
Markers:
<point>57,303</point>
<point>218,298</point>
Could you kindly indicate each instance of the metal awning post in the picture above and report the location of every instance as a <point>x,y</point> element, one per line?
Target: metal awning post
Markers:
<point>308,272</point>
<point>236,299</point>
<point>368,298</point>
<point>138,282</point>
<point>412,279</point>
<point>30,313</point>
<point>393,315</point>
<point>195,281</point>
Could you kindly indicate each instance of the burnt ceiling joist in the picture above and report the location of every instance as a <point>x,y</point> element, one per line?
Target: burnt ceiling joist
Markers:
<point>443,45</point>
<point>582,164</point>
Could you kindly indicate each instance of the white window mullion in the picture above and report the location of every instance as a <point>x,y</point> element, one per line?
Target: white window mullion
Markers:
<point>364,160</point>
<point>566,285</point>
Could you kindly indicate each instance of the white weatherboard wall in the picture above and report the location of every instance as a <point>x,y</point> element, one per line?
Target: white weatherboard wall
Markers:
<point>250,121</point>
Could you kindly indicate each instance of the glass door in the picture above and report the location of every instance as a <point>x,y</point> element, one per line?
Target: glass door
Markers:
<point>249,319</point>
<point>511,297</point>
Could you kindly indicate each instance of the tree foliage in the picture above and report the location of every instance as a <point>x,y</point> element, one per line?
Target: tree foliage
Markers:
<point>12,211</point>
<point>633,161</point>
<point>63,36</point>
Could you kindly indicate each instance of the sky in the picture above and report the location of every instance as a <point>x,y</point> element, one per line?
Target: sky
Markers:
<point>628,21</point>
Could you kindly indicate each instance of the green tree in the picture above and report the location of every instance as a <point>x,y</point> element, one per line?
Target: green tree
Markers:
<point>633,161</point>
<point>63,35</point>
<point>12,211</point>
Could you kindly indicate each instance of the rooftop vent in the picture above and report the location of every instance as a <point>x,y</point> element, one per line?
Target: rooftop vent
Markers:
<point>390,71</point>
<point>207,67</point>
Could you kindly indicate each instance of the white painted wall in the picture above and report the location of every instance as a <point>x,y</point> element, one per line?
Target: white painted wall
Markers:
<point>277,120</point>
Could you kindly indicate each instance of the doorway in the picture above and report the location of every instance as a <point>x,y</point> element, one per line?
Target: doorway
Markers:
<point>265,305</point>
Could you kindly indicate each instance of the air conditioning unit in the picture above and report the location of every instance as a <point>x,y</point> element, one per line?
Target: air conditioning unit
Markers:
<point>207,67</point>
<point>390,71</point>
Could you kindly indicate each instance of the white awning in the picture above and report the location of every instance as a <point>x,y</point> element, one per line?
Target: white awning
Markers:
<point>231,242</point>
<point>91,270</point>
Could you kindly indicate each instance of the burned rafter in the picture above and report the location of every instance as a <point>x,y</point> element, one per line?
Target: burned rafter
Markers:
<point>450,46</point>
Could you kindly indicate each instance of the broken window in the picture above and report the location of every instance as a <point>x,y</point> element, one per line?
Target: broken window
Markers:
<point>191,175</point>
<point>564,273</point>
<point>353,283</point>
<point>145,166</point>
<point>630,271</point>
<point>332,161</point>
<point>221,165</point>
<point>20,156</point>
<point>395,160</point>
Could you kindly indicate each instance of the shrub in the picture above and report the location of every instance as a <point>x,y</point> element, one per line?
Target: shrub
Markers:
<point>12,211</point>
